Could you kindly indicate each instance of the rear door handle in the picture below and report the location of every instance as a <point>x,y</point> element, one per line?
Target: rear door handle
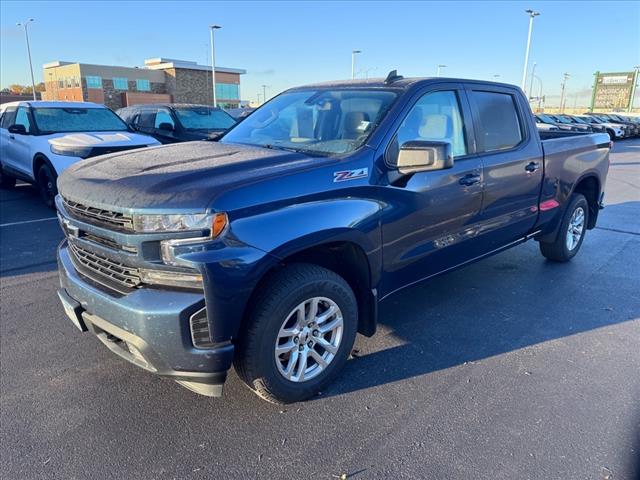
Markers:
<point>469,180</point>
<point>532,167</point>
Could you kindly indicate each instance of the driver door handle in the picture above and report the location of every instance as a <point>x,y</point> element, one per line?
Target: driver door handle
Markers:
<point>469,180</point>
<point>532,167</point>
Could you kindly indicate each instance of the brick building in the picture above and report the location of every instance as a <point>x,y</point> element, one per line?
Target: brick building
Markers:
<point>160,80</point>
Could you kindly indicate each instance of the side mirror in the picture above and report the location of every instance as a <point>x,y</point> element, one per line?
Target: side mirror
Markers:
<point>132,126</point>
<point>19,129</point>
<point>165,126</point>
<point>422,156</point>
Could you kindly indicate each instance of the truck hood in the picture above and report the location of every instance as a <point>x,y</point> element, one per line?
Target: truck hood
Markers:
<point>100,139</point>
<point>182,177</point>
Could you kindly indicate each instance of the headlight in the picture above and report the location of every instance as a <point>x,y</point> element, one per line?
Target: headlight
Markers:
<point>172,223</point>
<point>171,250</point>
<point>172,279</point>
<point>71,151</point>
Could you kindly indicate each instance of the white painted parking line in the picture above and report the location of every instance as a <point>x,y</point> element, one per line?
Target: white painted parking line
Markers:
<point>28,221</point>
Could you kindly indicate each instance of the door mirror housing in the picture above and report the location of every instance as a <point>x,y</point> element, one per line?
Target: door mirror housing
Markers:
<point>423,156</point>
<point>18,129</point>
<point>166,127</point>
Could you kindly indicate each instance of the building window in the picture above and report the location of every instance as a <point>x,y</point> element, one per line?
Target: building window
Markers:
<point>76,81</point>
<point>69,82</point>
<point>228,91</point>
<point>143,85</point>
<point>61,83</point>
<point>120,83</point>
<point>94,82</point>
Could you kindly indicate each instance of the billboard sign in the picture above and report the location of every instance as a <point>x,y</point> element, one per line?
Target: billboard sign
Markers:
<point>612,90</point>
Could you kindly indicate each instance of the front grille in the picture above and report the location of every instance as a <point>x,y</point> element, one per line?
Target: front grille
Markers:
<point>107,242</point>
<point>99,216</point>
<point>105,271</point>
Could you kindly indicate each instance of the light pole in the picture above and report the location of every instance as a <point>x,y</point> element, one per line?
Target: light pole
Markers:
<point>26,35</point>
<point>439,68</point>
<point>264,93</point>
<point>565,77</point>
<point>213,65</point>
<point>634,87</point>
<point>353,62</point>
<point>539,92</point>
<point>259,98</point>
<point>532,15</point>
<point>533,74</point>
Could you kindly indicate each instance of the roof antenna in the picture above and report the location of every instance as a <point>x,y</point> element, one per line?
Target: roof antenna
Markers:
<point>392,77</point>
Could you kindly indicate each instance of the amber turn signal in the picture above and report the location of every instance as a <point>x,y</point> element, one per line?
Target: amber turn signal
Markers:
<point>218,224</point>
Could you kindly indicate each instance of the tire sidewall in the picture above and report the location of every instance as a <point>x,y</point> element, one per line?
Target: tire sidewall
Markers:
<point>45,172</point>
<point>266,367</point>
<point>577,201</point>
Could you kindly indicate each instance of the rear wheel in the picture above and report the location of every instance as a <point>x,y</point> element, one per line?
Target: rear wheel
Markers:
<point>6,181</point>
<point>612,135</point>
<point>300,334</point>
<point>572,230</point>
<point>47,185</point>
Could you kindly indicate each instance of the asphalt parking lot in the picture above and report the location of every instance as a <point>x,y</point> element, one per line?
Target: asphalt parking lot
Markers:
<point>511,368</point>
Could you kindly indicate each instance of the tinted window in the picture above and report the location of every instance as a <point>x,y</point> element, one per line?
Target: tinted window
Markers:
<point>146,118</point>
<point>93,81</point>
<point>435,117</point>
<point>498,126</point>
<point>163,116</point>
<point>22,118</point>
<point>204,118</point>
<point>8,116</point>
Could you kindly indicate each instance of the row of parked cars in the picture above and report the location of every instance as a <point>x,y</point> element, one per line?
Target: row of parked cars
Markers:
<point>617,126</point>
<point>39,139</point>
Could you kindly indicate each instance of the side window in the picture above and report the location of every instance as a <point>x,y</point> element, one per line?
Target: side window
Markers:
<point>146,118</point>
<point>163,116</point>
<point>8,116</point>
<point>22,118</point>
<point>498,124</point>
<point>436,117</point>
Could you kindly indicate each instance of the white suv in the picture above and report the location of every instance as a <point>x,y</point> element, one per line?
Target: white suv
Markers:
<point>38,140</point>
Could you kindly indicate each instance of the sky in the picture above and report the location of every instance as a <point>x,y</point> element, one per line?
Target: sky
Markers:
<point>284,44</point>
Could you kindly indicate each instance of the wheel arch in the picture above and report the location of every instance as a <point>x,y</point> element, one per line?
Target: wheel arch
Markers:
<point>589,186</point>
<point>40,159</point>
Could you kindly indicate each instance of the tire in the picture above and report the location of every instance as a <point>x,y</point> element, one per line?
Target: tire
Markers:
<point>287,292</point>
<point>47,185</point>
<point>565,248</point>
<point>6,181</point>
<point>612,135</point>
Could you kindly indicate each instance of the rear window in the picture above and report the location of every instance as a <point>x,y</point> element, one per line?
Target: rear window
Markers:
<point>498,126</point>
<point>74,119</point>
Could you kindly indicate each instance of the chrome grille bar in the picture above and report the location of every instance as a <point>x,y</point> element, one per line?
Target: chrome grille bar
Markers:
<point>99,216</point>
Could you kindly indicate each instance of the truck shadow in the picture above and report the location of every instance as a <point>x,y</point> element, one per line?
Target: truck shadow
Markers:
<point>511,301</point>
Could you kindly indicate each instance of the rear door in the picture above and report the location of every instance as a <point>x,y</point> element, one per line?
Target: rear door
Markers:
<point>512,164</point>
<point>18,149</point>
<point>8,116</point>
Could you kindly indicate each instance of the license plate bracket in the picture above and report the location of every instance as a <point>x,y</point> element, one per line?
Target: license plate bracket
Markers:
<point>73,310</point>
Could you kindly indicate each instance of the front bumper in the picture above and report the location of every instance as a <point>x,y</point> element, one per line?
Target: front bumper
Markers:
<point>149,328</point>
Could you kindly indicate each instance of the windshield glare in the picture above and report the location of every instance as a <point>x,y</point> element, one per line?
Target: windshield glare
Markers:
<point>204,118</point>
<point>322,122</point>
<point>72,119</point>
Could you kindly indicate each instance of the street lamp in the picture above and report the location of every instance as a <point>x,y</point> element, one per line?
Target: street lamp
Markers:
<point>532,15</point>
<point>533,74</point>
<point>634,87</point>
<point>213,64</point>
<point>353,62</point>
<point>565,77</point>
<point>264,93</point>
<point>26,35</point>
<point>438,71</point>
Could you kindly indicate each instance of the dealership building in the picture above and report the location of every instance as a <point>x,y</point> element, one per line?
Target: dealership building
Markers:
<point>160,80</point>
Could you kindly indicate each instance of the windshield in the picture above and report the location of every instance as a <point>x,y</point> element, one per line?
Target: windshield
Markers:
<point>562,119</point>
<point>72,119</point>
<point>579,120</point>
<point>546,119</point>
<point>322,122</point>
<point>204,118</point>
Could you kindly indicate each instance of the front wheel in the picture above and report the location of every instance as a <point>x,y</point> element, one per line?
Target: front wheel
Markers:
<point>572,230</point>
<point>47,185</point>
<point>299,334</point>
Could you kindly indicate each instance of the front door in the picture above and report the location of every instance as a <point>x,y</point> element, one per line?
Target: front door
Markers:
<point>18,150</point>
<point>430,218</point>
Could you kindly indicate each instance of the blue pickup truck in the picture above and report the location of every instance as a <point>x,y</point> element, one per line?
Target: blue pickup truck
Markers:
<point>270,249</point>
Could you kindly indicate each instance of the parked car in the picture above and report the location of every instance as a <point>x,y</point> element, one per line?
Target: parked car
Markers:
<point>39,139</point>
<point>580,127</point>
<point>632,127</point>
<point>595,127</point>
<point>615,130</point>
<point>545,127</point>
<point>177,122</point>
<point>546,119</point>
<point>272,247</point>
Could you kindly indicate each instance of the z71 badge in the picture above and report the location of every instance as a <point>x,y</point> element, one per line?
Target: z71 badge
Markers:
<point>344,175</point>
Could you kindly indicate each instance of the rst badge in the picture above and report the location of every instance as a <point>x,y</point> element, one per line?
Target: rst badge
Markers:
<point>344,175</point>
